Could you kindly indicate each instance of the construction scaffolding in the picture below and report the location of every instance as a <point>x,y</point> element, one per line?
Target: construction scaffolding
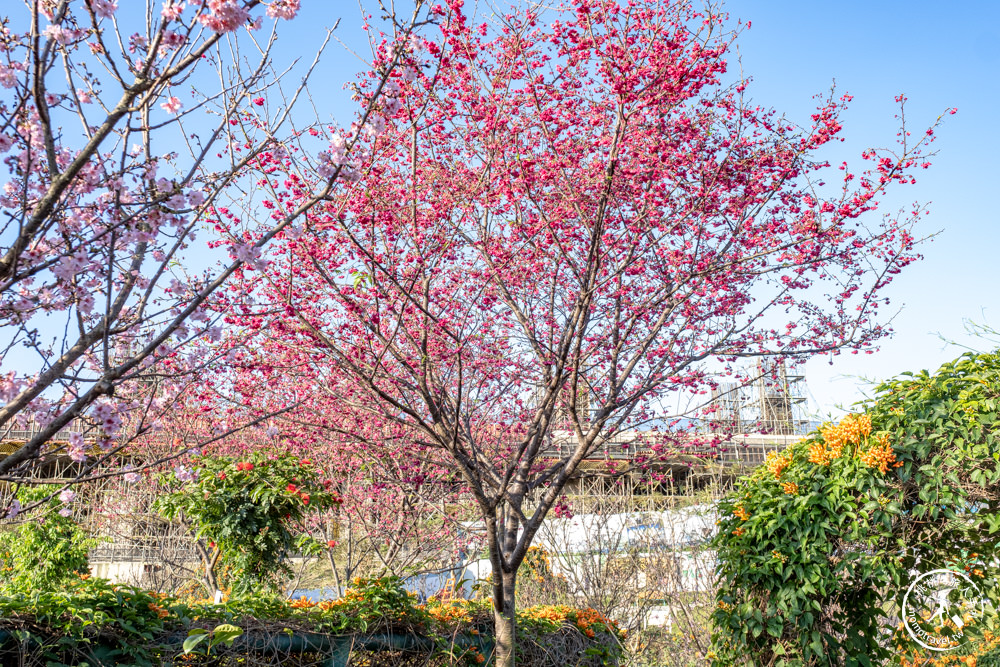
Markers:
<point>643,470</point>
<point>770,401</point>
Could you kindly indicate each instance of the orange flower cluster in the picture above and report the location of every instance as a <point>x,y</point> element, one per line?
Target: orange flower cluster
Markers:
<point>449,613</point>
<point>302,603</point>
<point>587,618</point>
<point>589,621</point>
<point>791,488</point>
<point>822,454</point>
<point>158,610</point>
<point>739,531</point>
<point>880,455</point>
<point>916,658</point>
<point>776,462</point>
<point>856,427</point>
<point>741,513</point>
<point>851,431</point>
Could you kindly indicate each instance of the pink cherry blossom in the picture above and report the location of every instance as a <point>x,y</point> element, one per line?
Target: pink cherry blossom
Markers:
<point>62,35</point>
<point>283,9</point>
<point>171,105</point>
<point>172,10</point>
<point>13,509</point>
<point>104,8</point>
<point>584,220</point>
<point>224,15</point>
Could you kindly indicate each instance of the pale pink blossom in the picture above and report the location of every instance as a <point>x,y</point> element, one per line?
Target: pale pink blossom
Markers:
<point>10,386</point>
<point>283,9</point>
<point>172,40</point>
<point>8,76</point>
<point>224,15</point>
<point>76,449</point>
<point>67,496</point>
<point>58,33</point>
<point>172,11</point>
<point>172,105</point>
<point>195,198</point>
<point>14,509</point>
<point>104,8</point>
<point>249,254</point>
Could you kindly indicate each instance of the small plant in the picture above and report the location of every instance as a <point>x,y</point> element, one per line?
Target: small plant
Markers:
<point>201,638</point>
<point>373,603</point>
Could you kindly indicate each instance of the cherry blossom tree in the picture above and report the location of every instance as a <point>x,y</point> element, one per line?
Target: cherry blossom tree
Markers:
<point>553,223</point>
<point>123,126</point>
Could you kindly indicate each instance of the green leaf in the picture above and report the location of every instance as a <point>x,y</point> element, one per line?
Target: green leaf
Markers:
<point>195,637</point>
<point>226,634</point>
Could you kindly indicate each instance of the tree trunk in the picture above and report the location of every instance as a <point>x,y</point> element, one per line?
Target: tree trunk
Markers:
<point>504,628</point>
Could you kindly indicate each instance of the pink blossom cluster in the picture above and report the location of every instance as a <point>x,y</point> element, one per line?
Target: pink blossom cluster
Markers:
<point>224,16</point>
<point>283,9</point>
<point>172,10</point>
<point>103,8</point>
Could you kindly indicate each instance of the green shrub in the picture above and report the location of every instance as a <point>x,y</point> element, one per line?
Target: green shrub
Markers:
<point>44,551</point>
<point>92,621</point>
<point>247,511</point>
<point>817,547</point>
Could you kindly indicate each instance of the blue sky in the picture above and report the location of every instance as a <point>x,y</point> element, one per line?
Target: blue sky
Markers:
<point>939,57</point>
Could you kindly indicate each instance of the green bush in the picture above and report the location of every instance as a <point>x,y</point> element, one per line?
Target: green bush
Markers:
<point>817,547</point>
<point>45,550</point>
<point>247,511</point>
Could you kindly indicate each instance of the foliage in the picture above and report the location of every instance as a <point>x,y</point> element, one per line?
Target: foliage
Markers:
<point>138,626</point>
<point>88,612</point>
<point>43,551</point>
<point>370,603</point>
<point>815,546</point>
<point>248,510</point>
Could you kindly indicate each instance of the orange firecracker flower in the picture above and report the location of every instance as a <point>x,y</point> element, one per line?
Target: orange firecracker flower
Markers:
<point>880,455</point>
<point>776,462</point>
<point>851,431</point>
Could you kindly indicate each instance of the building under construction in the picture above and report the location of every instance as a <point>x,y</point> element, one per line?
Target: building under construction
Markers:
<point>647,469</point>
<point>770,400</point>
